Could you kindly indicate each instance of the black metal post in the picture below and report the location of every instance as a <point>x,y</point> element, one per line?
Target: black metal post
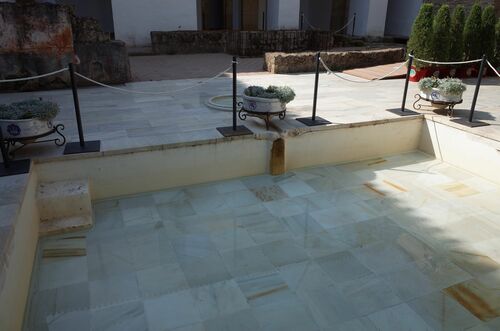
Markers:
<point>316,83</point>
<point>476,92</point>
<point>353,25</point>
<point>82,146</point>
<point>470,122</point>
<point>235,68</point>
<point>301,21</point>
<point>403,111</point>
<point>235,129</point>
<point>314,120</point>
<point>407,81</point>
<point>11,167</point>
<point>77,105</point>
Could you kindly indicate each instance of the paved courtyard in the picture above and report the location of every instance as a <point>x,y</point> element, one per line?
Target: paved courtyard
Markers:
<point>126,120</point>
<point>397,243</point>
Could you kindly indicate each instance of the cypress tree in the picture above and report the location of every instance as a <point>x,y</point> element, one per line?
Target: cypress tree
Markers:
<point>441,39</point>
<point>488,22</point>
<point>457,34</point>
<point>421,33</point>
<point>472,34</point>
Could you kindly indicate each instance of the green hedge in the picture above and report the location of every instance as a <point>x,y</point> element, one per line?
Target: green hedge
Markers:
<point>420,39</point>
<point>488,22</point>
<point>441,38</point>
<point>472,34</point>
<point>497,48</point>
<point>457,34</point>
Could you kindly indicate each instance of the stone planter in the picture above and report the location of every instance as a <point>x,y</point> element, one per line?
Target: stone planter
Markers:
<point>22,129</point>
<point>262,105</point>
<point>436,95</point>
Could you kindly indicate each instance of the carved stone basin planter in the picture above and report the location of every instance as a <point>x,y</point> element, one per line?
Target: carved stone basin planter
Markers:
<point>263,108</point>
<point>25,129</point>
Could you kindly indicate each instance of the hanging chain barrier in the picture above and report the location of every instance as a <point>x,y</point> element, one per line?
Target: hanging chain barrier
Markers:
<point>446,63</point>
<point>329,71</point>
<point>346,25</point>
<point>493,68</point>
<point>123,90</point>
<point>33,77</point>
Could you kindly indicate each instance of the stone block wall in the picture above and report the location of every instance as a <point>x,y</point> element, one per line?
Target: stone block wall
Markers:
<point>39,38</point>
<point>284,63</point>
<point>243,43</point>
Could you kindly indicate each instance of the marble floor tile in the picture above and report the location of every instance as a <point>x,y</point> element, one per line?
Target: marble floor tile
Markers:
<point>59,272</point>
<point>301,225</point>
<point>284,252</point>
<point>269,193</point>
<point>172,210</point>
<point>168,196</point>
<point>294,188</point>
<point>267,231</point>
<point>75,320</point>
<point>128,316</point>
<point>400,317</point>
<point>362,324</point>
<point>409,282</point>
<point>473,261</point>
<point>219,299</point>
<point>343,266</point>
<point>265,289</point>
<point>171,311</point>
<point>320,244</point>
<point>204,270</point>
<point>232,239</point>
<point>322,184</point>
<point>229,186</point>
<point>328,306</point>
<point>303,276</point>
<point>197,246</point>
<point>382,257</point>
<point>109,259</point>
<point>246,261</point>
<point>113,290</point>
<point>237,199</point>
<point>290,315</point>
<point>162,279</point>
<point>287,207</point>
<point>108,219</point>
<point>369,294</point>
<point>242,321</point>
<point>479,296</point>
<point>443,313</point>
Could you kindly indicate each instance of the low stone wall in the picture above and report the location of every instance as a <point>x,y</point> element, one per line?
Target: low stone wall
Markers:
<point>105,62</point>
<point>284,63</point>
<point>39,38</point>
<point>243,43</point>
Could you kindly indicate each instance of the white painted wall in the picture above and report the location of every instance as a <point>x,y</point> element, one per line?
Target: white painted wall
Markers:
<point>135,20</point>
<point>370,17</point>
<point>272,14</point>
<point>289,14</point>
<point>400,17</point>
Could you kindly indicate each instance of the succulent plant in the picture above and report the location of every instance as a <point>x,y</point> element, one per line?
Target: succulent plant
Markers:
<point>284,93</point>
<point>39,109</point>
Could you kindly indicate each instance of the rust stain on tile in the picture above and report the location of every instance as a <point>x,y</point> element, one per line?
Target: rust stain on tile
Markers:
<point>269,193</point>
<point>396,186</point>
<point>376,161</point>
<point>270,291</point>
<point>459,189</point>
<point>372,188</point>
<point>481,300</point>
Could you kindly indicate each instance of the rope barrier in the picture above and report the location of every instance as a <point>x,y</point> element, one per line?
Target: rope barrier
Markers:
<point>123,90</point>
<point>357,81</point>
<point>493,68</point>
<point>446,63</point>
<point>33,77</point>
<point>310,25</point>
<point>345,26</point>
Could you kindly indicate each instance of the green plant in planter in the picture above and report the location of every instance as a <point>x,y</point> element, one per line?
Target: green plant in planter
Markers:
<point>284,93</point>
<point>428,83</point>
<point>441,38</point>
<point>451,86</point>
<point>457,34</point>
<point>472,34</point>
<point>37,109</point>
<point>421,34</point>
<point>488,21</point>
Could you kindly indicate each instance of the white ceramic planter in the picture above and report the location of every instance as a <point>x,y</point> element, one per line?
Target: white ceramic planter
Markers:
<point>262,105</point>
<point>15,129</point>
<point>436,95</point>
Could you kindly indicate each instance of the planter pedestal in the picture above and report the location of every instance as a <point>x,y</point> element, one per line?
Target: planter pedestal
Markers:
<point>27,140</point>
<point>450,105</point>
<point>266,116</point>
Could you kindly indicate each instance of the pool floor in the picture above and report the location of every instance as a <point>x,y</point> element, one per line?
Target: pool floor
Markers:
<point>397,243</point>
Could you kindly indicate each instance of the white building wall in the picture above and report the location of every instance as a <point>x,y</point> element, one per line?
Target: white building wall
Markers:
<point>400,17</point>
<point>370,17</point>
<point>289,14</point>
<point>135,20</point>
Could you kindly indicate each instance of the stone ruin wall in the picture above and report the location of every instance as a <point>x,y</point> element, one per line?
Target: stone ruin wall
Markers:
<point>41,38</point>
